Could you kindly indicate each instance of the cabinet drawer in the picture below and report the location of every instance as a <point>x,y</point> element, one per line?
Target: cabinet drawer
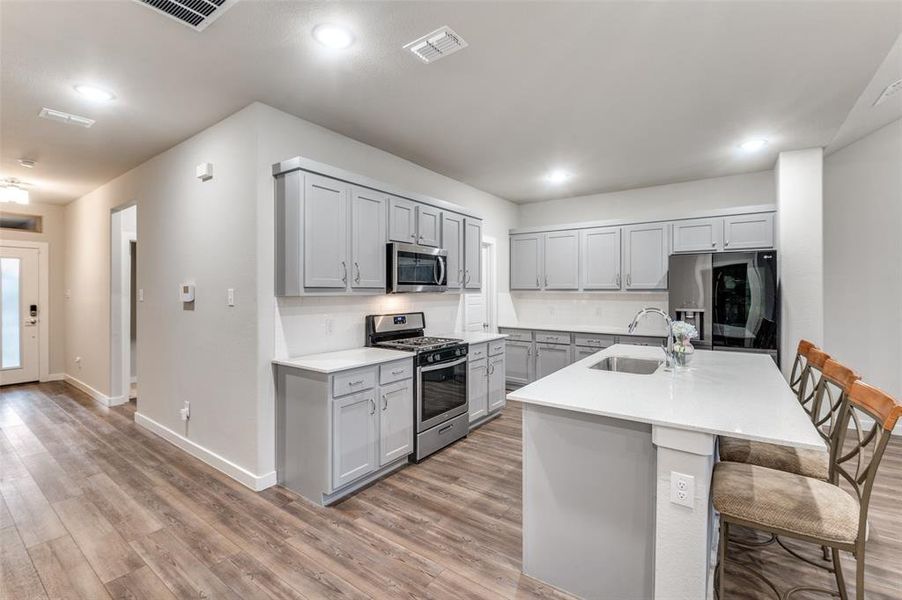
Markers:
<point>477,351</point>
<point>353,381</point>
<point>396,371</point>
<point>594,341</point>
<point>517,335</point>
<point>496,347</point>
<point>553,337</point>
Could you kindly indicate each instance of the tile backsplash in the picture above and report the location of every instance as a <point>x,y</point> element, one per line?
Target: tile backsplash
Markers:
<point>570,309</point>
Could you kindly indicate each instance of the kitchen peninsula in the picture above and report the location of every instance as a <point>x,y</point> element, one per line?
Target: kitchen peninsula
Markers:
<point>617,466</point>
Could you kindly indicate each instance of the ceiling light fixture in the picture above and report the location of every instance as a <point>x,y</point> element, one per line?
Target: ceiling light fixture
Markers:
<point>27,163</point>
<point>333,36</point>
<point>13,190</point>
<point>94,93</point>
<point>557,176</point>
<point>753,145</point>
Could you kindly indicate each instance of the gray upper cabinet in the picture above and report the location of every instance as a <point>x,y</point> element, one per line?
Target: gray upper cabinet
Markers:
<point>600,258</point>
<point>526,261</point>
<point>645,252</point>
<point>472,254</point>
<point>325,232</point>
<point>561,260</point>
<point>429,226</point>
<point>698,235</point>
<point>402,221</point>
<point>453,242</point>
<point>749,232</point>
<point>368,223</point>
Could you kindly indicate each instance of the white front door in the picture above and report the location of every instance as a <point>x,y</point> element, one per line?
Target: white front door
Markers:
<point>19,293</point>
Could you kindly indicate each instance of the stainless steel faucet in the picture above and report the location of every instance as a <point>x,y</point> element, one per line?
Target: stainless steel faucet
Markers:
<point>668,348</point>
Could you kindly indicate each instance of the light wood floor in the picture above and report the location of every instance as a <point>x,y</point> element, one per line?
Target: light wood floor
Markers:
<point>93,507</point>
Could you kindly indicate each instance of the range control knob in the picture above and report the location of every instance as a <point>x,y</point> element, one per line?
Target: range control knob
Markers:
<point>431,358</point>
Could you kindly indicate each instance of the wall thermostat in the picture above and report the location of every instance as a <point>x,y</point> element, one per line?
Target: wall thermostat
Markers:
<point>186,292</point>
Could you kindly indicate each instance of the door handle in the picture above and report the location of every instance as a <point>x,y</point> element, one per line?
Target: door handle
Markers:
<point>344,271</point>
<point>356,272</point>
<point>546,281</point>
<point>384,402</point>
<point>538,285</point>
<point>629,279</point>
<point>618,279</point>
<point>373,402</point>
<point>460,276</point>
<point>467,277</point>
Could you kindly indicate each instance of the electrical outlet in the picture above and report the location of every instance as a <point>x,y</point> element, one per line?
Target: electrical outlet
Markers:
<point>682,489</point>
<point>230,293</point>
<point>185,413</point>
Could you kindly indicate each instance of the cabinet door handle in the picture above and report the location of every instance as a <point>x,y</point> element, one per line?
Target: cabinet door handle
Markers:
<point>726,242</point>
<point>460,276</point>
<point>356,272</point>
<point>538,285</point>
<point>358,382</point>
<point>467,277</point>
<point>629,279</point>
<point>384,402</point>
<point>714,244</point>
<point>344,271</point>
<point>373,402</point>
<point>546,281</point>
<point>397,371</point>
<point>413,236</point>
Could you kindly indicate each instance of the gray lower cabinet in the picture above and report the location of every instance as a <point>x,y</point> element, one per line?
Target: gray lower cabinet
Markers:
<point>581,352</point>
<point>395,421</point>
<point>354,437</point>
<point>496,376</point>
<point>337,432</point>
<point>519,363</point>
<point>478,388</point>
<point>551,358</point>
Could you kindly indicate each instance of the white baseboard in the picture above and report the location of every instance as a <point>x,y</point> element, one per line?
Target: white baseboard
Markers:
<point>239,474</point>
<point>55,377</point>
<point>95,394</point>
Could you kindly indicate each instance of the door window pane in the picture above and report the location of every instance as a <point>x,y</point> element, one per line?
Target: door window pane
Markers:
<point>9,306</point>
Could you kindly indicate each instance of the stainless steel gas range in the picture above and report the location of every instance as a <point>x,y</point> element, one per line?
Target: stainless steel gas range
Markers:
<point>441,409</point>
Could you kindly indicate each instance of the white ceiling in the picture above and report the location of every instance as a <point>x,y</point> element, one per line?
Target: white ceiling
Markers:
<point>621,94</point>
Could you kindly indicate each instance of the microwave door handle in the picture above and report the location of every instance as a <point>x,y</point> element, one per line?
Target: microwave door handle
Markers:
<point>441,264</point>
<point>443,365</point>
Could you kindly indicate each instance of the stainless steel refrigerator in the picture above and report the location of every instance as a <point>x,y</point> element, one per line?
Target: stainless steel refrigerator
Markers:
<point>731,298</point>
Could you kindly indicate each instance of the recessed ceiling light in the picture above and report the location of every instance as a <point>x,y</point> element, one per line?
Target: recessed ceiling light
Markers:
<point>333,36</point>
<point>557,176</point>
<point>753,145</point>
<point>94,93</point>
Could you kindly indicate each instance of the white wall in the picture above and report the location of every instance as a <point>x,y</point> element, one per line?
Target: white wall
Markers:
<point>189,230</point>
<point>863,257</point>
<point>800,249</point>
<point>298,326</point>
<point>657,202</point>
<point>54,233</point>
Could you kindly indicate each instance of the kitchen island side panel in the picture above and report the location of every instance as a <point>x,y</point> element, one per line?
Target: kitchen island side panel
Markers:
<point>588,503</point>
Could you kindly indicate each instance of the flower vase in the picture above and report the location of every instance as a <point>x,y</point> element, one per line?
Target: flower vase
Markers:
<point>683,352</point>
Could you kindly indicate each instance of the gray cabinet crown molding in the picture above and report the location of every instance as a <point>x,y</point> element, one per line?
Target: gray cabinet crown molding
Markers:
<point>299,163</point>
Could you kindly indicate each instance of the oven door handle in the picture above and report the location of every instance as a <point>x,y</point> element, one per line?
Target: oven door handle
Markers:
<point>443,365</point>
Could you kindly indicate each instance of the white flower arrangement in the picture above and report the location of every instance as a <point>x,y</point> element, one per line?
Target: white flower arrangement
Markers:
<point>683,332</point>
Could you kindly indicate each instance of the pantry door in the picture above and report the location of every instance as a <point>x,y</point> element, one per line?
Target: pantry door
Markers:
<point>20,324</point>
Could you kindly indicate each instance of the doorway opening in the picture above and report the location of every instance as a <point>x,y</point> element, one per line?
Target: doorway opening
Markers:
<point>482,306</point>
<point>123,304</point>
<point>24,312</point>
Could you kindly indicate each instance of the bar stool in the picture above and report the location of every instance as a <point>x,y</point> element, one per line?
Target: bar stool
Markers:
<point>811,389</point>
<point>807,509</point>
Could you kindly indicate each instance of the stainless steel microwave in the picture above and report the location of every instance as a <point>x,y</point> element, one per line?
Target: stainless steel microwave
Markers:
<point>413,268</point>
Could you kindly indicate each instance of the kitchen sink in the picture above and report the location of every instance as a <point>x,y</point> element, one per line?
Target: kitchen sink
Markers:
<point>626,364</point>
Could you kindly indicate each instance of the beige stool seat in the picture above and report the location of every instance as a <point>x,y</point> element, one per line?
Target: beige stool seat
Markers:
<point>810,463</point>
<point>785,502</point>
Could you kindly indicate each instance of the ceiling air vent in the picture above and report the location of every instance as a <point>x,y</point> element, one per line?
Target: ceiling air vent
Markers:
<point>196,14</point>
<point>438,44</point>
<point>64,117</point>
<point>890,90</point>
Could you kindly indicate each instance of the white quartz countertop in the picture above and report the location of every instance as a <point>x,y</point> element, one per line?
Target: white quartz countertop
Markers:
<point>342,360</point>
<point>724,393</point>
<point>643,329</point>
<point>473,337</point>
